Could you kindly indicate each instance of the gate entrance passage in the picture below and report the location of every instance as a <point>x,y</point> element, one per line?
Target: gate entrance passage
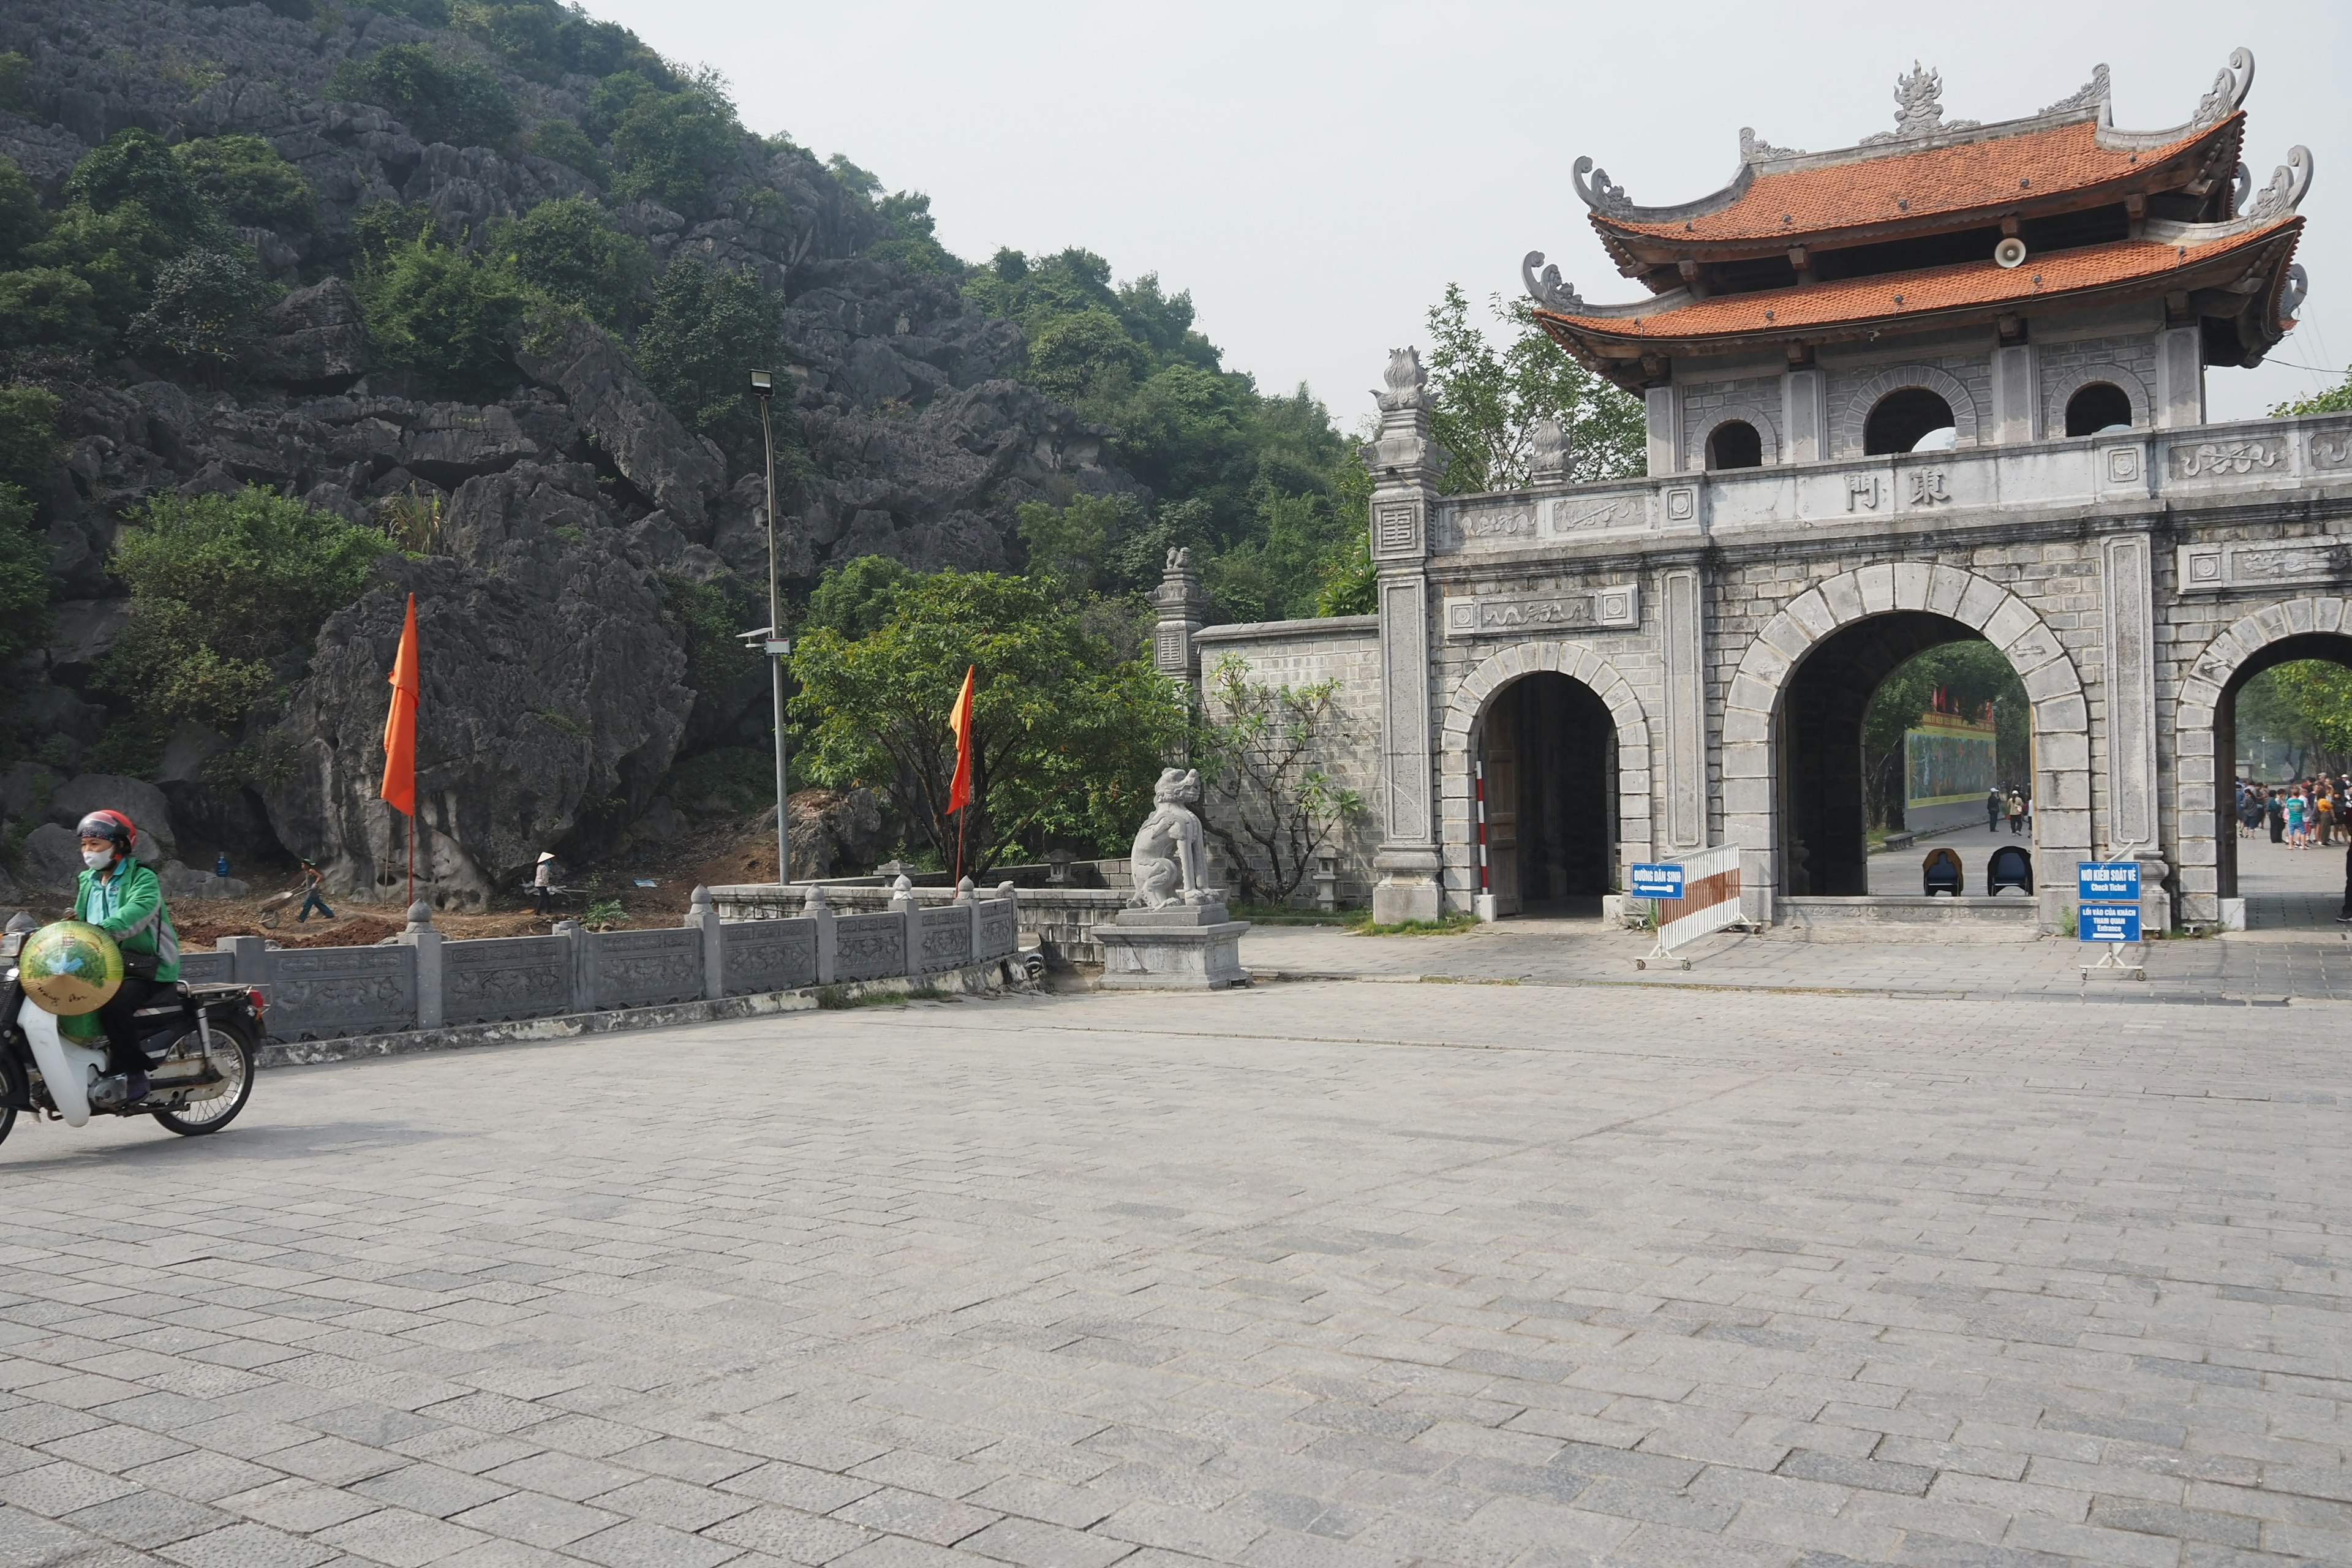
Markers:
<point>1551,755</point>
<point>2330,648</point>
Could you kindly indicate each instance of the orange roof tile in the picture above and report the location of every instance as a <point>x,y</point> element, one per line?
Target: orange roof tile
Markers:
<point>1900,295</point>
<point>1999,170</point>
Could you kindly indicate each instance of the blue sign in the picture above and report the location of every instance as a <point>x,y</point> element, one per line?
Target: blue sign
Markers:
<point>1657,880</point>
<point>2107,922</point>
<point>2106,882</point>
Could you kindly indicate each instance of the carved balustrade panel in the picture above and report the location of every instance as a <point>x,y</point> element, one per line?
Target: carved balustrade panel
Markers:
<point>768,955</point>
<point>324,993</point>
<point>645,968</point>
<point>869,947</point>
<point>947,937</point>
<point>1000,928</point>
<point>502,978</point>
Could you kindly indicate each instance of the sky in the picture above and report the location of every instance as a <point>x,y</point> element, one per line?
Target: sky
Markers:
<point>1315,174</point>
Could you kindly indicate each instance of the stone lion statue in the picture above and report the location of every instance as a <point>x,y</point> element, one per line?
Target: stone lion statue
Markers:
<point>1169,860</point>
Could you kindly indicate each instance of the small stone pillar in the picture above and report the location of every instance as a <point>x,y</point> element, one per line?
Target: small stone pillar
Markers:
<point>816,907</point>
<point>248,959</point>
<point>703,917</point>
<point>420,935</point>
<point>1406,464</point>
<point>971,902</point>
<point>583,983</point>
<point>903,904</point>
<point>1183,610</point>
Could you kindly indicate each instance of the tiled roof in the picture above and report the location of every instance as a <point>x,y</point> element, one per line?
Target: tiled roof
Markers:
<point>1896,297</point>
<point>1997,172</point>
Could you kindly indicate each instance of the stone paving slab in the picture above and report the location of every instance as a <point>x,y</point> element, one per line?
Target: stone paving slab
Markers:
<point>1317,1274</point>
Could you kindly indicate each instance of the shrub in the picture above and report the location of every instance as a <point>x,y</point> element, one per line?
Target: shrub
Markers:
<point>443,313</point>
<point>247,183</point>
<point>22,221</point>
<point>24,575</point>
<point>855,597</point>
<point>222,586</point>
<point>440,98</point>
<point>48,305</point>
<point>709,329</point>
<point>16,83</point>
<point>669,145</point>
<point>136,167</point>
<point>117,254</point>
<point>203,310</point>
<point>28,434</point>
<point>562,141</point>
<point>570,252</point>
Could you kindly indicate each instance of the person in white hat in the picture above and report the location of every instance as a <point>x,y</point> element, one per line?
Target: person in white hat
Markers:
<point>542,882</point>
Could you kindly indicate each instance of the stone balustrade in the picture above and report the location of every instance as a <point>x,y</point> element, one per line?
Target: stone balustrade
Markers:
<point>1062,919</point>
<point>421,979</point>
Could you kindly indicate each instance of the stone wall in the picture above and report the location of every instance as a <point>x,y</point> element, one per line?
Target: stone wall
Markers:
<point>421,981</point>
<point>1295,654</point>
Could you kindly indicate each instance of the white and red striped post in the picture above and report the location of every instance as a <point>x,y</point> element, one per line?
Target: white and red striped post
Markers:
<point>1484,906</point>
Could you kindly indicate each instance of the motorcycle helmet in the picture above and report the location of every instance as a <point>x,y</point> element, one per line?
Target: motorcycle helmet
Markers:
<point>111,826</point>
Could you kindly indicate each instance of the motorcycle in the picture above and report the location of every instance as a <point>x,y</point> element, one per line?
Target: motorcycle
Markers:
<point>199,1042</point>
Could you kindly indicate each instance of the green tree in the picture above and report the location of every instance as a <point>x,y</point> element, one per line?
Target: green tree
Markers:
<point>204,308</point>
<point>22,222</point>
<point>1972,674</point>
<point>855,598</point>
<point>913,241</point>
<point>1266,800</point>
<point>2337,399</point>
<point>444,312</point>
<point>1067,738</point>
<point>439,96</point>
<point>16,83</point>
<point>570,251</point>
<point>1489,401</point>
<point>221,588</point>
<point>710,328</point>
<point>564,142</point>
<point>48,305</point>
<point>137,167</point>
<point>29,448</point>
<point>247,183</point>
<point>2307,703</point>
<point>669,143</point>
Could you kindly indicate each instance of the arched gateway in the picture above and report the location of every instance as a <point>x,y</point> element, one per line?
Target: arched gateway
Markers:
<point>1884,412</point>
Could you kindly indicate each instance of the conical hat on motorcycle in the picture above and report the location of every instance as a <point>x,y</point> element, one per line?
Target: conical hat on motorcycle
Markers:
<point>70,968</point>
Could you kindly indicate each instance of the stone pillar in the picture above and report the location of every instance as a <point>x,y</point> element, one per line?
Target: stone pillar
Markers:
<point>970,899</point>
<point>420,935</point>
<point>1183,606</point>
<point>1405,465</point>
<point>1682,630</point>
<point>2016,396</point>
<point>2128,596</point>
<point>248,959</point>
<point>2179,378</point>
<point>1804,411</point>
<point>1663,406</point>
<point>903,905</point>
<point>584,977</point>
<point>702,916</point>
<point>817,908</point>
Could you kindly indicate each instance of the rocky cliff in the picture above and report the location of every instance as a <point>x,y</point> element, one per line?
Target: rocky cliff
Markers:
<point>557,691</point>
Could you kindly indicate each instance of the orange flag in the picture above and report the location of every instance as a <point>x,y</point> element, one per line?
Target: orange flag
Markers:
<point>399,788</point>
<point>959,792</point>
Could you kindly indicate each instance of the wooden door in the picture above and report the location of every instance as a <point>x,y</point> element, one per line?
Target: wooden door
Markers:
<point>1502,753</point>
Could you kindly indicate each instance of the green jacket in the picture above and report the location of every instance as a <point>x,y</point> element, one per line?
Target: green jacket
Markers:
<point>131,912</point>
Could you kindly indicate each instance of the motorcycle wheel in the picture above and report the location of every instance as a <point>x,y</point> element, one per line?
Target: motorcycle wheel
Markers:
<point>8,1112</point>
<point>233,1041</point>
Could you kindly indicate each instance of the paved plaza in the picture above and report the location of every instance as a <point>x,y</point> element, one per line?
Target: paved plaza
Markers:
<point>1313,1275</point>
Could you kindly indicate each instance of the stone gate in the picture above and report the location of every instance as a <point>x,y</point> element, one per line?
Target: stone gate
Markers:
<point>1945,384</point>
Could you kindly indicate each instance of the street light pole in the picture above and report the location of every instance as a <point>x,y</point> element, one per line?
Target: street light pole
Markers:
<point>763,388</point>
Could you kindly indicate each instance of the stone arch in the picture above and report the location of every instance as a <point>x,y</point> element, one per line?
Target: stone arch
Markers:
<point>1943,384</point>
<point>2196,759</point>
<point>1768,432</point>
<point>1469,702</point>
<point>2063,390</point>
<point>2062,720</point>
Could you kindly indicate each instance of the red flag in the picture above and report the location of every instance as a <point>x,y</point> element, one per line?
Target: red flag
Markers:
<point>959,792</point>
<point>399,789</point>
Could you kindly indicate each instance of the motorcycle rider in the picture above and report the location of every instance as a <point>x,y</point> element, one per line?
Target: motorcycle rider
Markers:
<point>125,900</point>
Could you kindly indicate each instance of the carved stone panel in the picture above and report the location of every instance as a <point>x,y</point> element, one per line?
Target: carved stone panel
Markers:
<point>1615,607</point>
<point>322,992</point>
<point>1000,928</point>
<point>1572,517</point>
<point>207,968</point>
<point>505,977</point>
<point>1405,707</point>
<point>2331,449</point>
<point>1396,527</point>
<point>2227,458</point>
<point>645,968</point>
<point>945,937</point>
<point>768,955</point>
<point>869,947</point>
<point>2216,568</point>
<point>1684,631</point>
<point>2128,594</point>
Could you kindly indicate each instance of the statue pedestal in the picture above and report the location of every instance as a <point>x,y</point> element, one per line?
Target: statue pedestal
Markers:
<point>1184,947</point>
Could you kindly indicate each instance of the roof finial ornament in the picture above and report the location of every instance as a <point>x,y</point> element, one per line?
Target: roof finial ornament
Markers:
<point>2292,294</point>
<point>1603,195</point>
<point>2241,189</point>
<point>2229,88</point>
<point>1752,150</point>
<point>2289,184</point>
<point>1408,384</point>
<point>1919,111</point>
<point>1547,289</point>
<point>1550,462</point>
<point>2090,95</point>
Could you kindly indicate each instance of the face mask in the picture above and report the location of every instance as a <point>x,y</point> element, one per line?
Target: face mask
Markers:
<point>97,859</point>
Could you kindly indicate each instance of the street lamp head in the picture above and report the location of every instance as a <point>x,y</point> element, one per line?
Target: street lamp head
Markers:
<point>763,383</point>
